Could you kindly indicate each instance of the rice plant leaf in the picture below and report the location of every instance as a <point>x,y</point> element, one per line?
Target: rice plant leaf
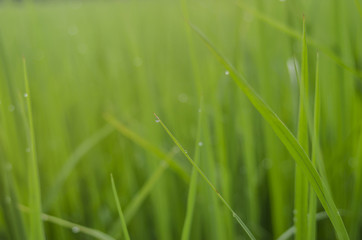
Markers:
<point>76,228</point>
<point>286,137</point>
<point>193,183</point>
<point>36,224</point>
<point>315,148</point>
<point>295,34</point>
<point>149,147</point>
<point>136,202</point>
<point>123,221</point>
<point>290,231</point>
<point>241,223</point>
<point>73,161</point>
<point>301,183</point>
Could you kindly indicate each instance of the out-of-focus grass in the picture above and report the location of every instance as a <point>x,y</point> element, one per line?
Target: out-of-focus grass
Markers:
<point>125,60</point>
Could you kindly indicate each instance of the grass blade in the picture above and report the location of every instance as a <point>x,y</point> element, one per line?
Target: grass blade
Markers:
<point>175,166</point>
<point>290,231</point>
<point>36,224</point>
<point>287,138</point>
<point>139,198</point>
<point>301,183</point>
<point>295,34</point>
<point>193,183</point>
<point>315,149</point>
<point>72,162</point>
<point>355,216</point>
<point>242,224</point>
<point>76,228</point>
<point>123,222</point>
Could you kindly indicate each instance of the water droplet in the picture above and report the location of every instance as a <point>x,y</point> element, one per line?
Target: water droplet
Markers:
<point>186,151</point>
<point>201,143</point>
<point>75,229</point>
<point>183,97</point>
<point>73,30</point>
<point>27,149</point>
<point>200,110</point>
<point>11,108</point>
<point>25,95</point>
<point>227,72</point>
<point>157,120</point>
<point>293,69</point>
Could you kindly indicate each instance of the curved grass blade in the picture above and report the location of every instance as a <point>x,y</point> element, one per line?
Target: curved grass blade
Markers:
<point>36,224</point>
<point>295,34</point>
<point>72,162</point>
<point>286,137</point>
<point>242,224</point>
<point>73,226</point>
<point>123,222</point>
<point>175,166</point>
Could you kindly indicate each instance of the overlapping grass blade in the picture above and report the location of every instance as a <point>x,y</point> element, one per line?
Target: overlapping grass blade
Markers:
<point>242,224</point>
<point>136,202</point>
<point>8,203</point>
<point>355,216</point>
<point>315,153</point>
<point>149,147</point>
<point>290,231</point>
<point>295,34</point>
<point>36,224</point>
<point>286,137</point>
<point>76,228</point>
<point>72,162</point>
<point>191,198</point>
<point>120,212</point>
<point>301,183</point>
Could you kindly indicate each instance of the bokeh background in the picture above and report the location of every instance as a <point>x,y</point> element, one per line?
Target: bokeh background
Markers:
<point>98,70</point>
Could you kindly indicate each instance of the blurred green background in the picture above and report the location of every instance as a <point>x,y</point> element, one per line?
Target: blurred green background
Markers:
<point>98,70</point>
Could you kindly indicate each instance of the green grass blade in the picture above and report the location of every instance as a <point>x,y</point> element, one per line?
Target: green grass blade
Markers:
<point>355,216</point>
<point>291,231</point>
<point>76,228</point>
<point>315,148</point>
<point>73,161</point>
<point>359,8</point>
<point>242,224</point>
<point>141,195</point>
<point>301,183</point>
<point>186,230</point>
<point>36,224</point>
<point>175,166</point>
<point>8,203</point>
<point>123,222</point>
<point>287,138</point>
<point>295,34</point>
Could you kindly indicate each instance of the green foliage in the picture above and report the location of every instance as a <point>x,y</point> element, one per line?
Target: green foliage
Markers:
<point>276,126</point>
